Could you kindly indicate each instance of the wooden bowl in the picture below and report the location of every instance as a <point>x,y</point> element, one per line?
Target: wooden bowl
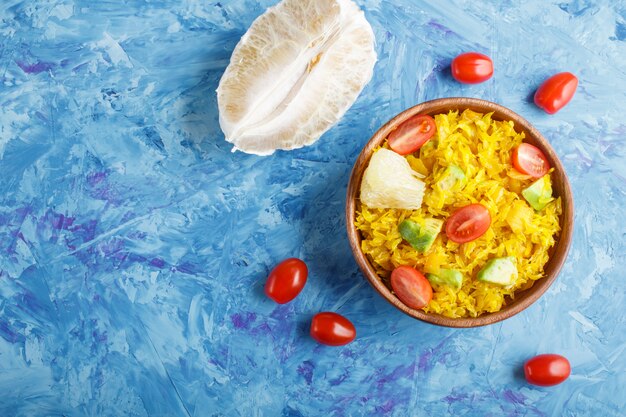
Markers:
<point>561,187</point>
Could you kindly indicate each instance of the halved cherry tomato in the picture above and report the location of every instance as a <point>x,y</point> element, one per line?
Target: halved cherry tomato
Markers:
<point>547,369</point>
<point>529,160</point>
<point>412,134</point>
<point>556,92</point>
<point>286,280</point>
<point>332,329</point>
<point>472,68</point>
<point>411,287</point>
<point>468,223</point>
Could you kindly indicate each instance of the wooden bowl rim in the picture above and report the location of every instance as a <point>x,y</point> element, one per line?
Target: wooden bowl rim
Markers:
<point>559,251</point>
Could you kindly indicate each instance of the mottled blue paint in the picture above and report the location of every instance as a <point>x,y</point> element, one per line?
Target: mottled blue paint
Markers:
<point>134,245</point>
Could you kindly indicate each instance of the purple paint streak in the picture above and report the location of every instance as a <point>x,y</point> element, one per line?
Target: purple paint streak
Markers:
<point>386,408</point>
<point>99,337</point>
<point>454,398</point>
<point>96,178</point>
<point>439,27</point>
<point>86,231</point>
<point>261,329</point>
<point>61,222</point>
<point>426,362</point>
<point>340,379</point>
<point>397,373</point>
<point>188,268</point>
<point>8,334</point>
<point>243,320</point>
<point>306,370</point>
<point>158,262</point>
<point>35,68</point>
<point>111,246</point>
<point>514,397</point>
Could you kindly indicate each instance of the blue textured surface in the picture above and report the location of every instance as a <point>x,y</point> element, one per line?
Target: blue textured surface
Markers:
<point>134,245</point>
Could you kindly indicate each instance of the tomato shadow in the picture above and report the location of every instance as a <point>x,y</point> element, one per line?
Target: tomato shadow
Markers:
<point>323,232</point>
<point>530,99</point>
<point>446,73</point>
<point>518,373</point>
<point>303,327</point>
<point>258,288</point>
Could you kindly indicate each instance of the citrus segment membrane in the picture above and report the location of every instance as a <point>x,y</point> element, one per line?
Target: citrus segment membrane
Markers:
<point>294,74</point>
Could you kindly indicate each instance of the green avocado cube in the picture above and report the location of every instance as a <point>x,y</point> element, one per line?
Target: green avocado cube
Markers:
<point>453,178</point>
<point>420,236</point>
<point>499,271</point>
<point>539,193</point>
<point>449,277</point>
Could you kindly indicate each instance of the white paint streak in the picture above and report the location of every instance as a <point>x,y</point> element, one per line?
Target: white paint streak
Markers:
<point>174,27</point>
<point>10,125</point>
<point>33,352</point>
<point>62,11</point>
<point>149,89</point>
<point>269,217</point>
<point>347,296</point>
<point>193,317</point>
<point>114,50</point>
<point>587,324</point>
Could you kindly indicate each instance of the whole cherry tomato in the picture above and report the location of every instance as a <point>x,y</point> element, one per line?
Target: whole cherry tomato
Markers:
<point>332,329</point>
<point>411,287</point>
<point>412,134</point>
<point>472,68</point>
<point>286,280</point>
<point>530,160</point>
<point>547,369</point>
<point>468,223</point>
<point>556,92</point>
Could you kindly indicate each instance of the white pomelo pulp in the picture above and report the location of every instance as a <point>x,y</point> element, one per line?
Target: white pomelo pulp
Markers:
<point>389,182</point>
<point>294,74</point>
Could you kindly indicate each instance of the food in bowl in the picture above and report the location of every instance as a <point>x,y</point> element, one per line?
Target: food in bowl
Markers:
<point>486,220</point>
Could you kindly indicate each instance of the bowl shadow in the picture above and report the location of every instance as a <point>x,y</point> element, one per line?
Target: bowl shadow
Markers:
<point>326,247</point>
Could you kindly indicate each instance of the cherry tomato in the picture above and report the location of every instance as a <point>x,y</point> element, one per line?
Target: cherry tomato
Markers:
<point>332,329</point>
<point>529,160</point>
<point>472,68</point>
<point>411,287</point>
<point>468,223</point>
<point>412,134</point>
<point>556,92</point>
<point>286,280</point>
<point>547,369</point>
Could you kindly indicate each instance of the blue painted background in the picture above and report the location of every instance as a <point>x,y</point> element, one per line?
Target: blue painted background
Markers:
<point>134,245</point>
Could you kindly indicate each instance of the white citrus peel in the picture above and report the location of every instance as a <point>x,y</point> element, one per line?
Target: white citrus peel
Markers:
<point>294,74</point>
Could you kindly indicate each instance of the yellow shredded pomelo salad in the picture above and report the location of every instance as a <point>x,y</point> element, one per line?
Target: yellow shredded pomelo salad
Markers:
<point>482,148</point>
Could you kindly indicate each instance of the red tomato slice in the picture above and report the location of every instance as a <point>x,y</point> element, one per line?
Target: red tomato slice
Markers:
<point>547,369</point>
<point>472,68</point>
<point>412,134</point>
<point>286,280</point>
<point>556,92</point>
<point>411,287</point>
<point>468,223</point>
<point>529,160</point>
<point>332,329</point>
